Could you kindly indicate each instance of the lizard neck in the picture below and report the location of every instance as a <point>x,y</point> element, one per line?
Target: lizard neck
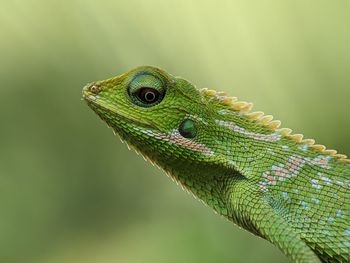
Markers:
<point>210,184</point>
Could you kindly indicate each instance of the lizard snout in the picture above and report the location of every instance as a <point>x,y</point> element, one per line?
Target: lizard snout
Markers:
<point>90,91</point>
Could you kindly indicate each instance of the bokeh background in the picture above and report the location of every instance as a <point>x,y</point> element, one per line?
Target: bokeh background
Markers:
<point>71,192</point>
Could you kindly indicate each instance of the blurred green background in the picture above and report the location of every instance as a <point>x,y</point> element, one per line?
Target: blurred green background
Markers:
<point>71,192</point>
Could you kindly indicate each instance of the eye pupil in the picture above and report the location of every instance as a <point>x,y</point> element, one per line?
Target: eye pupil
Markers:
<point>148,95</point>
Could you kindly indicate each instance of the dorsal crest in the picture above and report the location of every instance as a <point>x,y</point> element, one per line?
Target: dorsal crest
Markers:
<point>244,109</point>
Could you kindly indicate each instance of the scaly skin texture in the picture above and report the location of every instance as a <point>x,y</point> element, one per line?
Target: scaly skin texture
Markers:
<point>266,180</point>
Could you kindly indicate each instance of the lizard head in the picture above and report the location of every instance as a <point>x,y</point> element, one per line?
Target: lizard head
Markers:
<point>169,121</point>
<point>161,116</point>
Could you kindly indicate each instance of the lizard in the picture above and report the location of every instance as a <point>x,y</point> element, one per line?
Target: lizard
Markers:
<point>264,178</point>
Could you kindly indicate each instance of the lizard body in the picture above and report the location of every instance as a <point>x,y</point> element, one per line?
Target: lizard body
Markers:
<point>290,191</point>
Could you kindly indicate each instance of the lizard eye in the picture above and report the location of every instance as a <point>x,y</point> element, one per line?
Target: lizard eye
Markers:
<point>146,90</point>
<point>187,128</point>
<point>147,95</point>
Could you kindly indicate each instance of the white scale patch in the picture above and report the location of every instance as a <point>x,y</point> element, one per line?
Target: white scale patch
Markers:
<point>175,138</point>
<point>292,168</point>
<point>273,137</point>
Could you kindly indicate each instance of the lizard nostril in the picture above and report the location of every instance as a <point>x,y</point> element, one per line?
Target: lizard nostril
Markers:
<point>95,89</point>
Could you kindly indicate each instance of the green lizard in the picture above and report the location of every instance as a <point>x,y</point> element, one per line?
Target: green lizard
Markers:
<point>290,191</point>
